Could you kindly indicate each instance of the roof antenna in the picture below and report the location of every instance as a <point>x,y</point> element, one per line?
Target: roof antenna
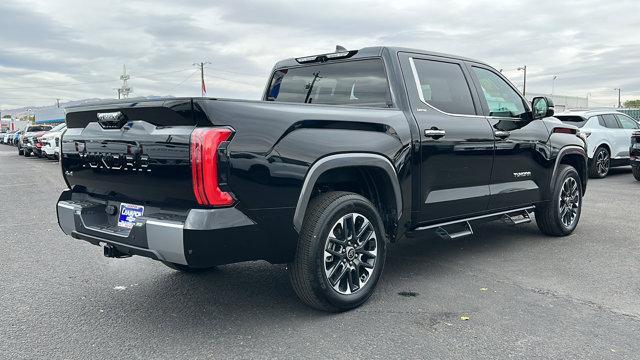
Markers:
<point>340,48</point>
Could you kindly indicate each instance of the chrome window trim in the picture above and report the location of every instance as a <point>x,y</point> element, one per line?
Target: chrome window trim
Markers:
<point>416,78</point>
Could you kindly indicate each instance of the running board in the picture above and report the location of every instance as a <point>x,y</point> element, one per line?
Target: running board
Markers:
<point>518,218</point>
<point>514,217</point>
<point>466,231</point>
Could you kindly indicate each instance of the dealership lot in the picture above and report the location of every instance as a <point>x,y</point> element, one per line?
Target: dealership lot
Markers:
<point>525,295</point>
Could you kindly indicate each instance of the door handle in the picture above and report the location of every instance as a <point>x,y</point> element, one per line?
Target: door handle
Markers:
<point>434,133</point>
<point>501,134</point>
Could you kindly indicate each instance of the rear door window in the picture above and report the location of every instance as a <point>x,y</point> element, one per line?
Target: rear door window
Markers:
<point>358,83</point>
<point>443,86</point>
<point>610,121</point>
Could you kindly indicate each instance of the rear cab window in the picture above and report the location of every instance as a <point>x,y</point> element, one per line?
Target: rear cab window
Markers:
<point>357,83</point>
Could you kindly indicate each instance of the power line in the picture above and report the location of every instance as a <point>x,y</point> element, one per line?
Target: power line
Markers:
<point>185,79</point>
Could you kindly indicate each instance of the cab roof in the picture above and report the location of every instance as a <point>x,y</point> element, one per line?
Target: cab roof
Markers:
<point>373,52</point>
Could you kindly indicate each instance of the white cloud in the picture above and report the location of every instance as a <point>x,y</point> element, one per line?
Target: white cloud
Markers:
<point>48,47</point>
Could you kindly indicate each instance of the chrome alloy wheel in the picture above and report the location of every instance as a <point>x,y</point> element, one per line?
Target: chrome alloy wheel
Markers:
<point>350,253</point>
<point>569,202</point>
<point>602,162</point>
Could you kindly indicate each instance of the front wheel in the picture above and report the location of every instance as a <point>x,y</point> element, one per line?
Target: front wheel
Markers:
<point>636,172</point>
<point>560,216</point>
<point>341,252</point>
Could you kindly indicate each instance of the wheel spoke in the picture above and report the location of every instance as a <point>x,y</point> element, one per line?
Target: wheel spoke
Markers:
<point>351,247</point>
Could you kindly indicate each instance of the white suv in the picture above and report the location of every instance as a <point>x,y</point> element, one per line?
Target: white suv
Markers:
<point>608,135</point>
<point>51,141</point>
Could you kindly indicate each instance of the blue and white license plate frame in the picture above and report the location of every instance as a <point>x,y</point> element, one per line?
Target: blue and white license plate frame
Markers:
<point>128,215</point>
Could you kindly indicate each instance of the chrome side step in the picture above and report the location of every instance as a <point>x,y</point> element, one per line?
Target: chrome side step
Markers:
<point>466,231</point>
<point>513,217</point>
<point>518,218</point>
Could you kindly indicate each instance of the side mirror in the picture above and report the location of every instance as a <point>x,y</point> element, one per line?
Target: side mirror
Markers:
<point>542,107</point>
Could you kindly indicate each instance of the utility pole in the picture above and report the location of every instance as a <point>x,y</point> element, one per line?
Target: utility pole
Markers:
<point>524,84</point>
<point>553,84</point>
<point>619,100</point>
<point>58,102</point>
<point>125,89</point>
<point>203,87</point>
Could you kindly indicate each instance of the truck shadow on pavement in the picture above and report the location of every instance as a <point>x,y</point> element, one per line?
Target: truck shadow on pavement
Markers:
<point>257,293</point>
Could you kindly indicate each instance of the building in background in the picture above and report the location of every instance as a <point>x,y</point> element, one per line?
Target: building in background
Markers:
<point>49,115</point>
<point>562,102</point>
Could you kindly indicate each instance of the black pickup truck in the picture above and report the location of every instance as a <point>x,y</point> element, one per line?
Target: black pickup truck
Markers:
<point>346,152</point>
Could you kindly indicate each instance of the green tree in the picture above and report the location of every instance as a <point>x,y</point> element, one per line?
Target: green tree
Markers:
<point>632,103</point>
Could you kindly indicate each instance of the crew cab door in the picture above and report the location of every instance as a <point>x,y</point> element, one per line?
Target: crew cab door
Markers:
<point>520,172</point>
<point>456,141</point>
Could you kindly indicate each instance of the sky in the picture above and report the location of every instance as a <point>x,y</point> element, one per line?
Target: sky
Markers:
<point>72,50</point>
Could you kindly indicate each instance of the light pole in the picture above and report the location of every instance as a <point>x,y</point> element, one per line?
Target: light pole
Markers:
<point>619,102</point>
<point>588,95</point>
<point>553,84</point>
<point>524,84</point>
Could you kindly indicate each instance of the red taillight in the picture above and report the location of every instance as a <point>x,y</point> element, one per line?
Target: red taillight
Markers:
<point>564,130</point>
<point>204,166</point>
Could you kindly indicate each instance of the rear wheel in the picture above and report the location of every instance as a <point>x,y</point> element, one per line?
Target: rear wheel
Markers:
<point>20,151</point>
<point>599,167</point>
<point>560,216</point>
<point>27,153</point>
<point>341,252</point>
<point>187,268</point>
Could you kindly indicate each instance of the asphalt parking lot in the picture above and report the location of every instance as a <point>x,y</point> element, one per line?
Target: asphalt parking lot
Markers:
<point>525,295</point>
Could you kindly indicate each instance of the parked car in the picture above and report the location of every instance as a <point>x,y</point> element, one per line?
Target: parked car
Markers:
<point>50,141</point>
<point>16,138</point>
<point>346,152</point>
<point>634,152</point>
<point>6,136</point>
<point>607,133</point>
<point>27,142</point>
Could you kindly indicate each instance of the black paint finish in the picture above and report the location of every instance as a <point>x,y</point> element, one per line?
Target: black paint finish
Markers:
<point>465,173</point>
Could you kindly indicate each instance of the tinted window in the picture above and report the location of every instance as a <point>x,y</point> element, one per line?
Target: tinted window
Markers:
<point>59,127</point>
<point>38,128</point>
<point>627,122</point>
<point>601,121</point>
<point>610,121</point>
<point>501,99</point>
<point>361,83</point>
<point>443,86</point>
<point>578,121</point>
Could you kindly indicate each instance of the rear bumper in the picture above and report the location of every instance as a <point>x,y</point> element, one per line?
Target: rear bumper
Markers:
<point>196,237</point>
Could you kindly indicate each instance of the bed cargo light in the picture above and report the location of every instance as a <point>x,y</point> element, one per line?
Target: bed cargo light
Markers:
<point>204,166</point>
<point>325,57</point>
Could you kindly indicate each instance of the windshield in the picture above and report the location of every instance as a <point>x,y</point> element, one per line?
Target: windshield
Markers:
<point>59,127</point>
<point>361,82</point>
<point>574,120</point>
<point>38,128</point>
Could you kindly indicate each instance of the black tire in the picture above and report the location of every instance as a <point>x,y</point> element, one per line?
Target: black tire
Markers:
<point>187,268</point>
<point>636,172</point>
<point>20,151</point>
<point>549,217</point>
<point>309,275</point>
<point>26,153</point>
<point>598,169</point>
